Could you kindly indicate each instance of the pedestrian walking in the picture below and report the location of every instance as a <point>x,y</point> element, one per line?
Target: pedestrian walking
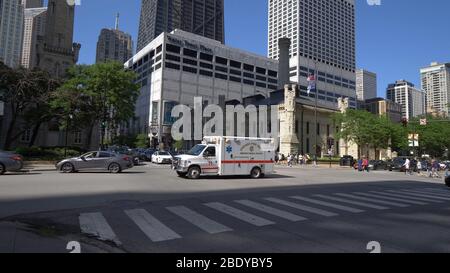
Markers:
<point>360,165</point>
<point>365,165</point>
<point>435,168</point>
<point>289,160</point>
<point>419,167</point>
<point>407,166</point>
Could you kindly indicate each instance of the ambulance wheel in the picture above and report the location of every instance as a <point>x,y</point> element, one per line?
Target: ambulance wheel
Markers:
<point>256,173</point>
<point>194,173</point>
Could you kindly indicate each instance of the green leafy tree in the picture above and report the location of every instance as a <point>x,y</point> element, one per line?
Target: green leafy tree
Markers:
<point>142,141</point>
<point>434,137</point>
<point>366,129</point>
<point>103,94</point>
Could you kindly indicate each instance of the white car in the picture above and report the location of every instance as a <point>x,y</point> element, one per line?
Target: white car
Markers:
<point>162,158</point>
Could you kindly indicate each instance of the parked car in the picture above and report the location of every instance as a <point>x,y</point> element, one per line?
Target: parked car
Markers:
<point>100,160</point>
<point>397,164</point>
<point>347,160</point>
<point>162,157</point>
<point>124,150</point>
<point>10,162</point>
<point>147,154</point>
<point>378,165</point>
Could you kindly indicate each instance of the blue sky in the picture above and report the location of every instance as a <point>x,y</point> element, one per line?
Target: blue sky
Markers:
<point>394,40</point>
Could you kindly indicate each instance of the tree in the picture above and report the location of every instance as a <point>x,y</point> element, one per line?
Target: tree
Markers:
<point>26,93</point>
<point>365,129</point>
<point>142,141</point>
<point>103,94</point>
<point>434,137</point>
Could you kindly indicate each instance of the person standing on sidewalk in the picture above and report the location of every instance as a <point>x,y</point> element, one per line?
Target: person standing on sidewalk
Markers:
<point>419,167</point>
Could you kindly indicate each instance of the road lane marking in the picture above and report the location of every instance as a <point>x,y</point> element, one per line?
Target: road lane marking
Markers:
<point>198,220</point>
<point>273,211</point>
<point>373,200</point>
<point>239,214</point>
<point>152,227</point>
<point>302,207</point>
<point>423,195</point>
<point>361,204</point>
<point>391,198</point>
<point>327,204</point>
<point>407,197</point>
<point>95,224</point>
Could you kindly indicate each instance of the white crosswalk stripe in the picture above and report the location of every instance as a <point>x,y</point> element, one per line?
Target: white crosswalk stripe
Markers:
<point>302,207</point>
<point>376,201</point>
<point>198,220</point>
<point>407,197</point>
<point>352,202</point>
<point>328,204</point>
<point>431,192</point>
<point>273,211</point>
<point>447,191</point>
<point>152,227</point>
<point>239,214</point>
<point>95,224</point>
<point>391,198</point>
<point>423,195</point>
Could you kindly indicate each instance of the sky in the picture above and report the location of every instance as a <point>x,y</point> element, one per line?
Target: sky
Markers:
<point>394,39</point>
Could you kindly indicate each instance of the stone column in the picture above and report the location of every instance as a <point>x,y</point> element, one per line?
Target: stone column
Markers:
<point>289,143</point>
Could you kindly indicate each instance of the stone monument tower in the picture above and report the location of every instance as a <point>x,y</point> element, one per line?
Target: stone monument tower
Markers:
<point>289,143</point>
<point>56,51</point>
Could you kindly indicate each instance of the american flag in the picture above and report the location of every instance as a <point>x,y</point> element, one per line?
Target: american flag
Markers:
<point>311,83</point>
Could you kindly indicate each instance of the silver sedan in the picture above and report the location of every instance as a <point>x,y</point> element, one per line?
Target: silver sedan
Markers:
<point>100,160</point>
<point>10,162</point>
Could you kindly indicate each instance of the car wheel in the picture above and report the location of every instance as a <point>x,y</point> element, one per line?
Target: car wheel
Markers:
<point>114,168</point>
<point>256,173</point>
<point>2,169</point>
<point>181,174</point>
<point>67,168</point>
<point>194,173</point>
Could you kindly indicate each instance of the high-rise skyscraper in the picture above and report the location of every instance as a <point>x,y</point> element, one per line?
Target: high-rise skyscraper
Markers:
<point>366,85</point>
<point>29,4</point>
<point>114,45</point>
<point>11,31</point>
<point>201,17</point>
<point>411,98</point>
<point>56,51</point>
<point>34,26</point>
<point>436,83</point>
<point>322,34</point>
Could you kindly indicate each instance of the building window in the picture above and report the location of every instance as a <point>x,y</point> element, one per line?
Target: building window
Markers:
<point>26,136</point>
<point>77,138</point>
<point>173,48</point>
<point>189,69</point>
<point>307,128</point>
<point>206,57</point>
<point>318,129</point>
<point>220,60</point>
<point>190,53</point>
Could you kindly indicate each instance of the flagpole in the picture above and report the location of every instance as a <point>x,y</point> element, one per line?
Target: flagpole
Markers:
<point>315,108</point>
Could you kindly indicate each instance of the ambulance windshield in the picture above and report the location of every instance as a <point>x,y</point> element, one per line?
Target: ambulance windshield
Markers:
<point>197,150</point>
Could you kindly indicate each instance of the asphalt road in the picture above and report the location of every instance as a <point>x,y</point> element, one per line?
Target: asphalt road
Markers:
<point>150,209</point>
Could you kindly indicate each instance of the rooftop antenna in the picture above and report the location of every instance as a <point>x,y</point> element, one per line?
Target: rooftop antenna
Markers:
<point>117,21</point>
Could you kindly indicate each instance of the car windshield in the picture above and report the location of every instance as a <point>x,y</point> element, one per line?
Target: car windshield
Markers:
<point>196,150</point>
<point>164,153</point>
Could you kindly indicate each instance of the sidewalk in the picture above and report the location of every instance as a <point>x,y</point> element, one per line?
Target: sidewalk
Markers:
<point>19,238</point>
<point>33,166</point>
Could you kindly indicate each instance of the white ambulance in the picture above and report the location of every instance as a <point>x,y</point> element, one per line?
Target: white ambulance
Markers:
<point>228,156</point>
